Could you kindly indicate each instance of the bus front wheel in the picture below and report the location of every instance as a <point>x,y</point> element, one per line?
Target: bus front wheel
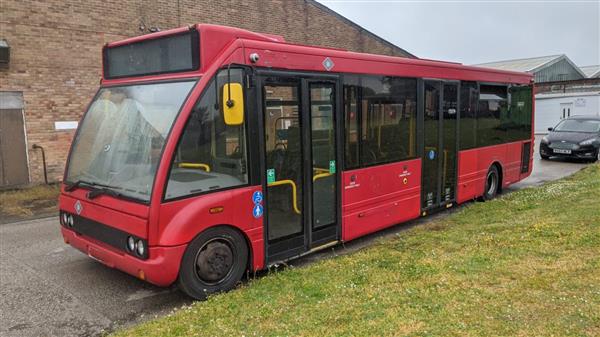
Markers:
<point>213,262</point>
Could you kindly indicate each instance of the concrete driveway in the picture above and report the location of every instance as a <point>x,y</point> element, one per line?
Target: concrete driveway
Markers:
<point>50,289</point>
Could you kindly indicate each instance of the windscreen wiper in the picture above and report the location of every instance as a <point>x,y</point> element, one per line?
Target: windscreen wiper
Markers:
<point>76,184</point>
<point>96,192</point>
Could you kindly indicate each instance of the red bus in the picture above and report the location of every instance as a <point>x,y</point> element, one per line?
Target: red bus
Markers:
<point>210,151</point>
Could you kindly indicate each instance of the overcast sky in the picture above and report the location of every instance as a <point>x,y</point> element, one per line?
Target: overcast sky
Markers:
<point>482,31</point>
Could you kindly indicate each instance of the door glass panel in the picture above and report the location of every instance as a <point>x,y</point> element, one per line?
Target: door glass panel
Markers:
<point>283,160</point>
<point>450,108</point>
<point>431,153</point>
<point>323,154</point>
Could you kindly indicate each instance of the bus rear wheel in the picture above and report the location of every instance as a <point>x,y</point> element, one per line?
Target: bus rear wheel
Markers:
<point>213,262</point>
<point>492,183</point>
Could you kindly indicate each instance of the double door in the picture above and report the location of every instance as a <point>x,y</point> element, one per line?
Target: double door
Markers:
<point>440,134</point>
<point>300,163</point>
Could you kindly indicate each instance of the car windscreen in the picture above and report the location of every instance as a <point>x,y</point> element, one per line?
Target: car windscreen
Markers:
<point>578,125</point>
<point>120,140</point>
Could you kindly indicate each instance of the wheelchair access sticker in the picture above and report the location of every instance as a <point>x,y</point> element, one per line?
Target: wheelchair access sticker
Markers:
<point>257,197</point>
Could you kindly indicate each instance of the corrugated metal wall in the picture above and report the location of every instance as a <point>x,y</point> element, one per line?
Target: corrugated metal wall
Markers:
<point>559,71</point>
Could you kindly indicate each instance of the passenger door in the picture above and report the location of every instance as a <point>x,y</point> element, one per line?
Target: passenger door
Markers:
<point>300,163</point>
<point>440,138</point>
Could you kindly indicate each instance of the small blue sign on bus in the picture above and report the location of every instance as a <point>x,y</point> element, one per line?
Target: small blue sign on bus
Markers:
<point>431,154</point>
<point>257,211</point>
<point>257,197</point>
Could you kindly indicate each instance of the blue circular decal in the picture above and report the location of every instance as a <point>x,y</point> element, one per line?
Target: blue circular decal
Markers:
<point>257,211</point>
<point>431,154</point>
<point>257,197</point>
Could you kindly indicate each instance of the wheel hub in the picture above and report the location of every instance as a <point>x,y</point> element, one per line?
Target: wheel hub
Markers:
<point>214,262</point>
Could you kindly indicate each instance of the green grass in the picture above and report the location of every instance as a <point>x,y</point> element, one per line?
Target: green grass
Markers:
<point>526,264</point>
<point>29,202</point>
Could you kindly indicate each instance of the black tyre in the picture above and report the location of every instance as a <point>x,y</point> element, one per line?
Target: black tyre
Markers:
<point>544,157</point>
<point>597,156</point>
<point>214,261</point>
<point>492,183</point>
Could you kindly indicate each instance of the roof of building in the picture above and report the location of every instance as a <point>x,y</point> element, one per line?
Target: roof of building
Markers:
<point>530,65</point>
<point>591,71</point>
<point>360,28</point>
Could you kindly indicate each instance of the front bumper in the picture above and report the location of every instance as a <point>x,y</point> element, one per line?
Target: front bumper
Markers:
<point>161,268</point>
<point>582,152</point>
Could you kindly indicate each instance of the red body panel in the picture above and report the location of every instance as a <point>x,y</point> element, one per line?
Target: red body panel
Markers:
<point>161,269</point>
<point>377,197</point>
<point>474,164</point>
<point>180,221</point>
<point>109,211</point>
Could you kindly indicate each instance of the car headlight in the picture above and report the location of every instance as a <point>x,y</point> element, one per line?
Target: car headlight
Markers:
<point>588,141</point>
<point>545,139</point>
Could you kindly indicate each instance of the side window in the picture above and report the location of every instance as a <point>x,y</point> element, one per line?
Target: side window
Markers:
<point>518,121</point>
<point>351,125</point>
<point>469,98</point>
<point>388,119</point>
<point>210,155</point>
<point>493,108</point>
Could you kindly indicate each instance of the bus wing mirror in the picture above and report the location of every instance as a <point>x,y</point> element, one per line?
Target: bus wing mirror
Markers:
<point>233,104</point>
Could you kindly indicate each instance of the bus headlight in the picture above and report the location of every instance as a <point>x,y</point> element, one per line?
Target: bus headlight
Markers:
<point>65,219</point>
<point>139,248</point>
<point>70,220</point>
<point>131,244</point>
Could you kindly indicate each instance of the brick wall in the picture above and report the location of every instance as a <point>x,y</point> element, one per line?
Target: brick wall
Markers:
<point>56,49</point>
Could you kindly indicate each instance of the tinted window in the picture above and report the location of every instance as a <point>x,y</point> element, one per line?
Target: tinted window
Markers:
<point>493,108</point>
<point>351,125</point>
<point>518,121</point>
<point>469,98</point>
<point>388,119</point>
<point>210,155</point>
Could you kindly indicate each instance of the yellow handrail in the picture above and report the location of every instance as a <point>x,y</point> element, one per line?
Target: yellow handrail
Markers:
<point>321,175</point>
<point>321,170</point>
<point>205,167</point>
<point>294,198</point>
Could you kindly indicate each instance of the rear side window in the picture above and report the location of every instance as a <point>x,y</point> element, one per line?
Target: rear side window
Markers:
<point>518,120</point>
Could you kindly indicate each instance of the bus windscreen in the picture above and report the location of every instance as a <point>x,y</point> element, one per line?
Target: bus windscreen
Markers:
<point>169,54</point>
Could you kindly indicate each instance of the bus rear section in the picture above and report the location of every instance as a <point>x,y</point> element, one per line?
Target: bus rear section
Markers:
<point>211,151</point>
